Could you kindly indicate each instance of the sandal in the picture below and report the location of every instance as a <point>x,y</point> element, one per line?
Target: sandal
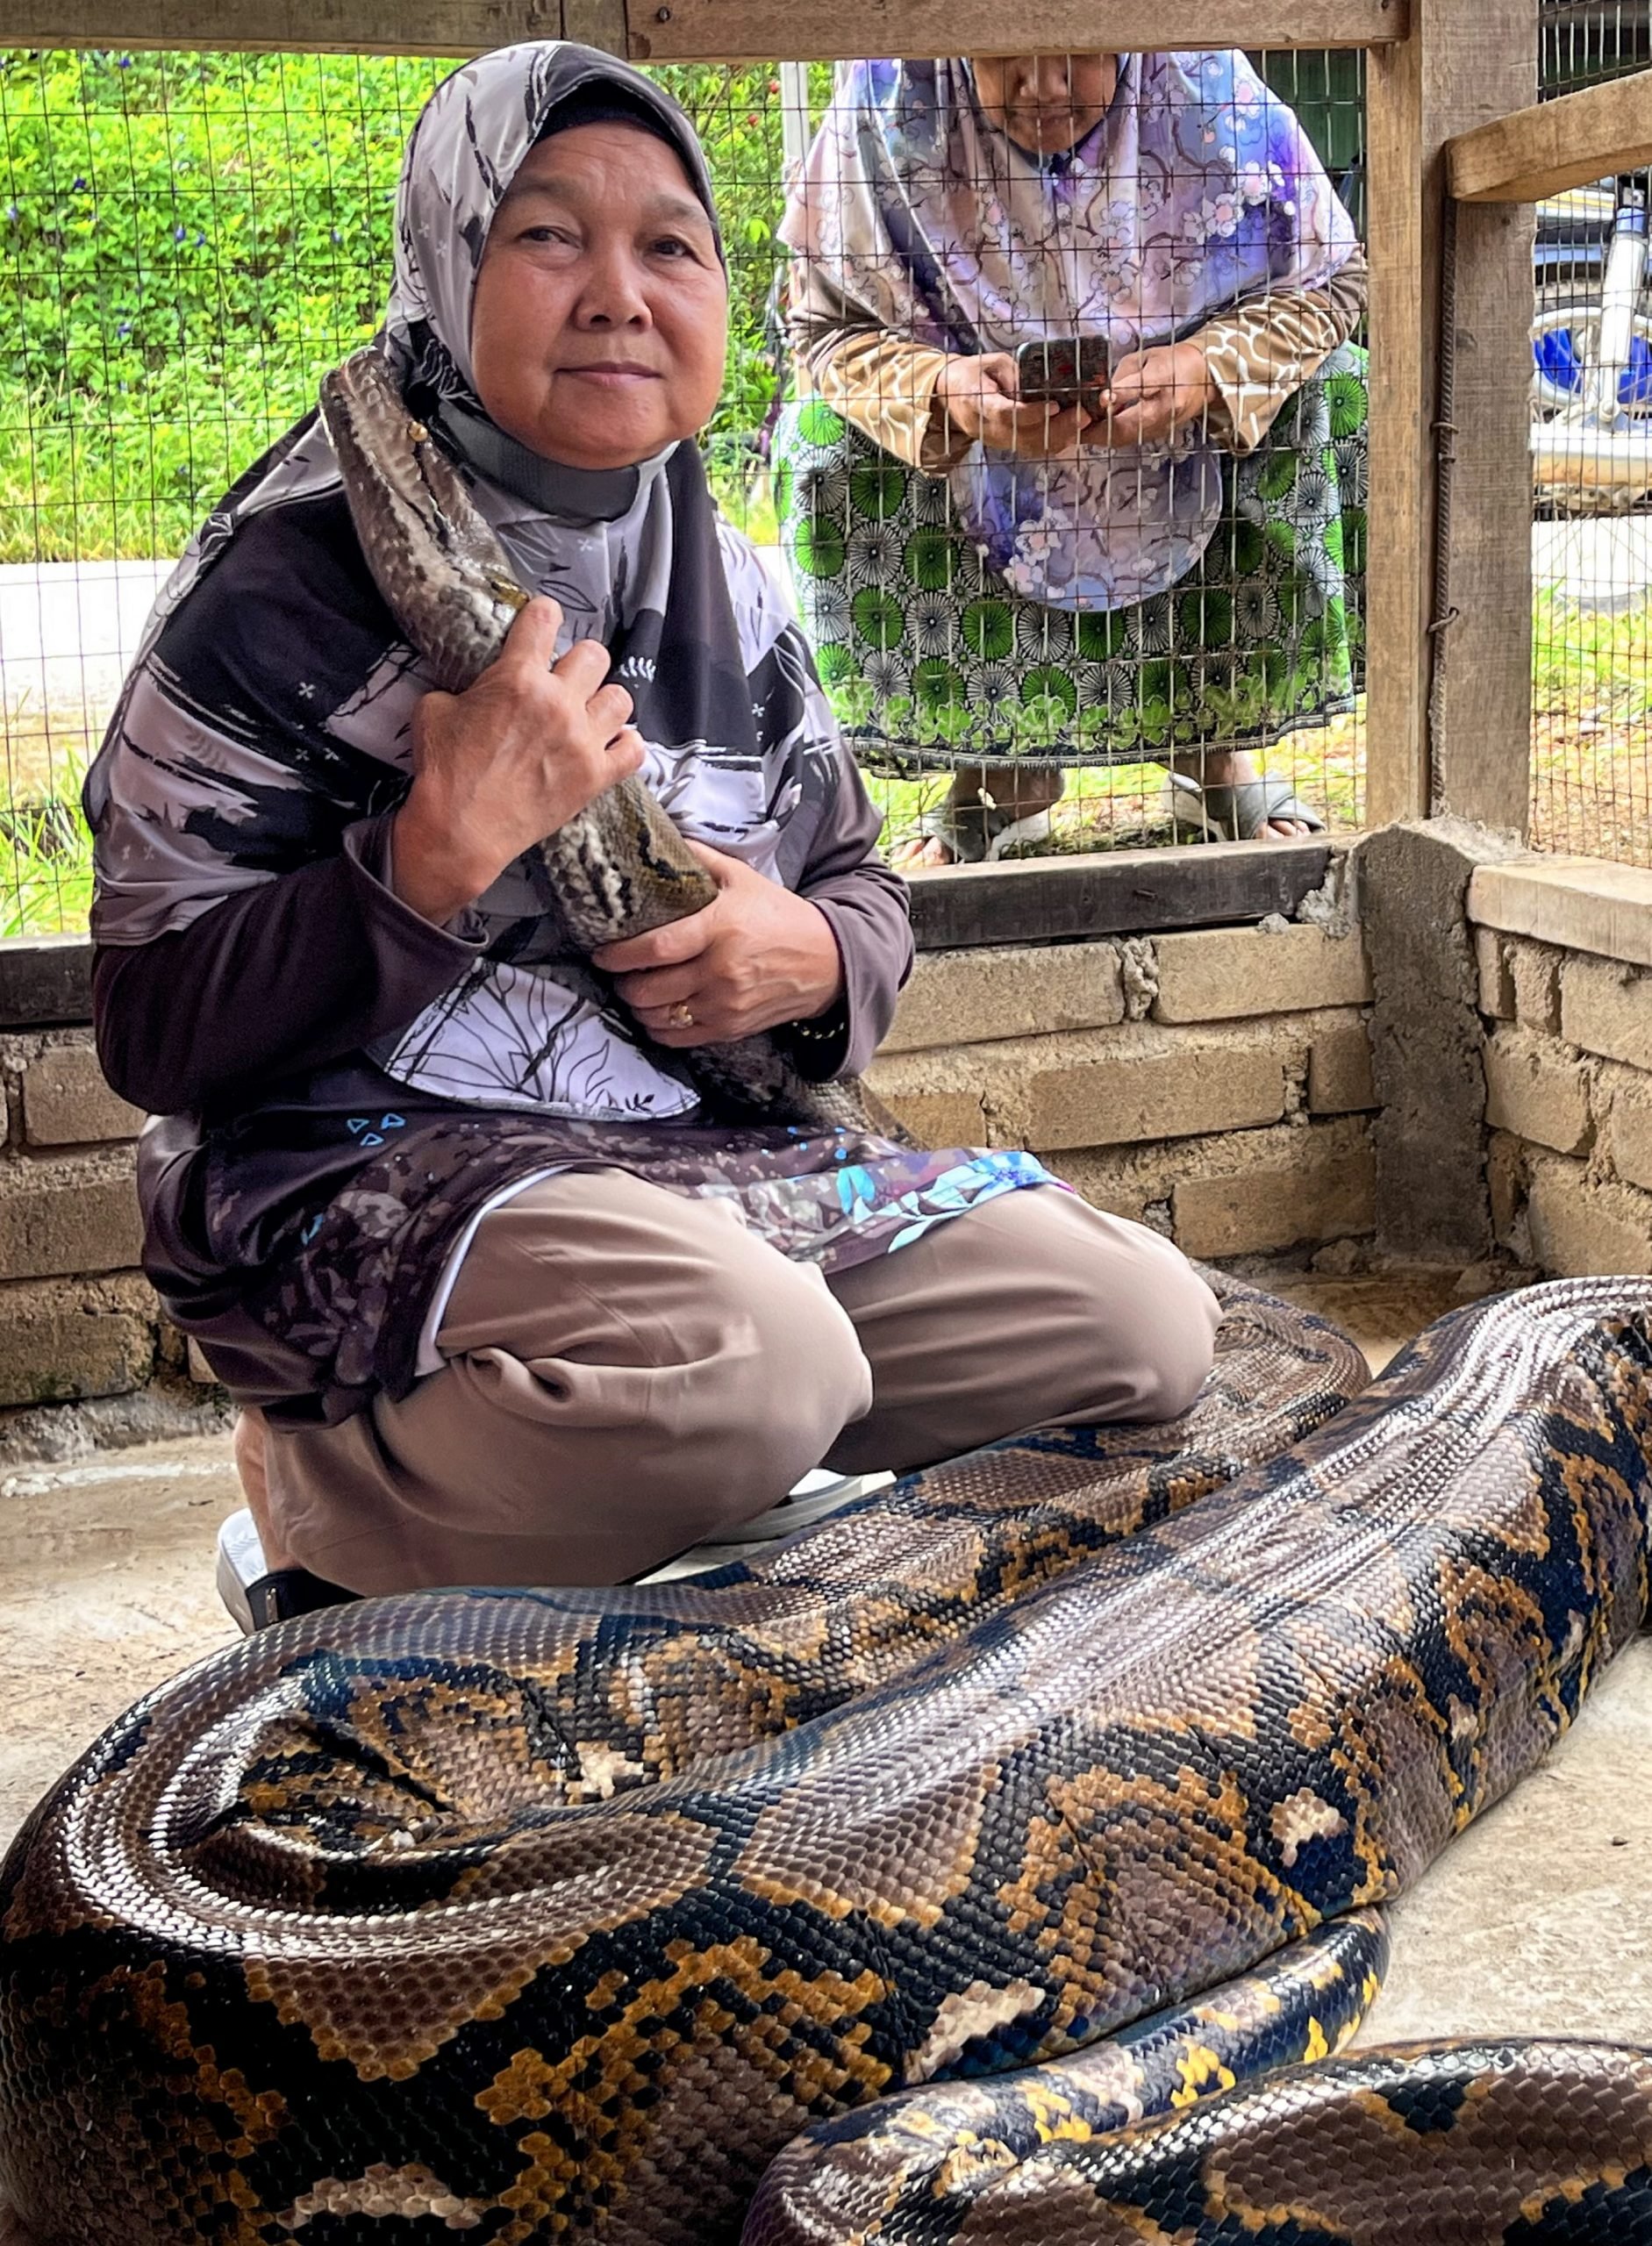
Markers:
<point>977,834</point>
<point>1237,812</point>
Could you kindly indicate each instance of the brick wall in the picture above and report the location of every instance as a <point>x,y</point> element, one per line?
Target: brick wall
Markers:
<point>1214,1083</point>
<point>77,1318</point>
<point>1564,953</point>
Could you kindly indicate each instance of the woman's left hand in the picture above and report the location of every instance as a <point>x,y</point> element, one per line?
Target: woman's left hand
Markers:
<point>757,955</point>
<point>1151,395</point>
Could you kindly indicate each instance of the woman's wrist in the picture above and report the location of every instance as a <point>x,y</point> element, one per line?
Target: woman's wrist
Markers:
<point>830,987</point>
<point>428,870</point>
<point>956,400</point>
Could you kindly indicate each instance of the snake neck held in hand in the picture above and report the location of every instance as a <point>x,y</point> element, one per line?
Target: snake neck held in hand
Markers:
<point>619,868</point>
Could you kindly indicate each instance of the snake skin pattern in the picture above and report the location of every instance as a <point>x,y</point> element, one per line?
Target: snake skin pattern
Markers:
<point>1424,2144</point>
<point>524,1916</point>
<point>618,867</point>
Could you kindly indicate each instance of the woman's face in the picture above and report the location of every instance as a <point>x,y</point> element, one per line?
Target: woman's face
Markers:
<point>601,311</point>
<point>1044,103</point>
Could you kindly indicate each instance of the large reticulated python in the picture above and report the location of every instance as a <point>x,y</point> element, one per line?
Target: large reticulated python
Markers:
<point>926,1880</point>
<point>1038,1797</point>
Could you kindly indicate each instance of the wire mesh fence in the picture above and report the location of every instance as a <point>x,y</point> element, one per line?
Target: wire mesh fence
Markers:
<point>1592,414</point>
<point>190,240</point>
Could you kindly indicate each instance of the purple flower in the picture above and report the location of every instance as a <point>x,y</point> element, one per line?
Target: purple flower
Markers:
<point>178,233</point>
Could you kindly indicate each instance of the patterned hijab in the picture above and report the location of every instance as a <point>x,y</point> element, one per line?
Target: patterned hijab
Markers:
<point>470,142</point>
<point>1196,189</point>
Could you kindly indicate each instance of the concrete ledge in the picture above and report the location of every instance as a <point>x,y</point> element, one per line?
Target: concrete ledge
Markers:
<point>1583,904</point>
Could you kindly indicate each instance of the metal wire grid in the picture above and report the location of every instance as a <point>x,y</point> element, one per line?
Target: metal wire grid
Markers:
<point>1591,410</point>
<point>189,240</point>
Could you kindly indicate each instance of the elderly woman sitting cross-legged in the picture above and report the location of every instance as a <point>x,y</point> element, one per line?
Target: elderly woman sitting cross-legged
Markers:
<point>437,1201</point>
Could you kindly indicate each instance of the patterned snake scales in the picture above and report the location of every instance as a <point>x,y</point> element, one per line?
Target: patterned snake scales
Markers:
<point>980,1866</point>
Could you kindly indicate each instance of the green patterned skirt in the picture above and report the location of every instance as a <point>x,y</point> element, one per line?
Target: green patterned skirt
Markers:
<point>931,660</point>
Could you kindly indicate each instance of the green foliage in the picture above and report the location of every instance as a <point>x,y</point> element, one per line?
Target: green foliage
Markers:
<point>188,241</point>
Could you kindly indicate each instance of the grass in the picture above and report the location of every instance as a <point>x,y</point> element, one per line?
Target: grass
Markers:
<point>1591,775</point>
<point>46,866</point>
<point>1591,732</point>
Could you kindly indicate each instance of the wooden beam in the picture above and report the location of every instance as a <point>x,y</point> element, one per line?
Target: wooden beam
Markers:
<point>1112,893</point>
<point>692,30</point>
<point>439,27</point>
<point>1571,142</point>
<point>699,31</point>
<point>1459,740</point>
<point>47,980</point>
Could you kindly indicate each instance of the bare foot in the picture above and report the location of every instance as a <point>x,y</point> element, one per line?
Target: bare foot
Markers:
<point>1237,769</point>
<point>919,853</point>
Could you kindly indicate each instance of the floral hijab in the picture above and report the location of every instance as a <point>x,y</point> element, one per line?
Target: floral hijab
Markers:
<point>1196,190</point>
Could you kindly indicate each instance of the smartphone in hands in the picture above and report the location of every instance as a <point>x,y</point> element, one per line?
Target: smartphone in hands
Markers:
<point>1064,370</point>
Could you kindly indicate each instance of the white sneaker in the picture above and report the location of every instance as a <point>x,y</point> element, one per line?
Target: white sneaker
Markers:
<point>816,1497</point>
<point>241,1561</point>
<point>240,1556</point>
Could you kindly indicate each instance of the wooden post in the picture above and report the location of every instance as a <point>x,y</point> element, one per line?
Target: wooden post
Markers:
<point>1449,649</point>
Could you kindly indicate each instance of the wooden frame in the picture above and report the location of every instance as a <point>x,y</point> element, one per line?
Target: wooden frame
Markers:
<point>700,30</point>
<point>717,30</point>
<point>1449,597</point>
<point>1571,142</point>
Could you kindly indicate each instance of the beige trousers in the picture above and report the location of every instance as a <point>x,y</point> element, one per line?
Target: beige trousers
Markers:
<point>630,1373</point>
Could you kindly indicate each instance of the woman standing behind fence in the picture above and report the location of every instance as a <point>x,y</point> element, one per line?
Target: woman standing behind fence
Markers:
<point>1156,574</point>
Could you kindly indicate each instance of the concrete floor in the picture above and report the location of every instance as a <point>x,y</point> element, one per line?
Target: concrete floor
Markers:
<point>1534,1921</point>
